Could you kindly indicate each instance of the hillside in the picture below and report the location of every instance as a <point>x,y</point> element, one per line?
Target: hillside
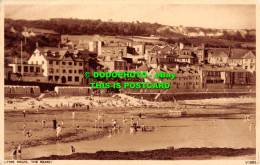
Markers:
<point>148,33</point>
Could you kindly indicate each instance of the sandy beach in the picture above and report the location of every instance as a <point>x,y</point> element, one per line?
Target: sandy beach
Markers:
<point>79,122</point>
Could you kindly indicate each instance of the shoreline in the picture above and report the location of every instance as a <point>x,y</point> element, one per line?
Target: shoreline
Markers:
<point>158,154</point>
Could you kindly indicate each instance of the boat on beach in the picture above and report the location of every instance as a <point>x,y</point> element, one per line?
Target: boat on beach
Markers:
<point>146,128</point>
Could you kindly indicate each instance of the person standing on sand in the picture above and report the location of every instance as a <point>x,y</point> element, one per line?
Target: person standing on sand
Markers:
<point>24,113</point>
<point>28,134</point>
<point>14,154</point>
<point>73,149</point>
<point>73,115</point>
<point>58,131</point>
<point>96,123</point>
<point>19,150</point>
<point>44,123</point>
<point>132,119</point>
<point>62,123</point>
<point>103,121</point>
<point>24,128</point>
<point>54,124</point>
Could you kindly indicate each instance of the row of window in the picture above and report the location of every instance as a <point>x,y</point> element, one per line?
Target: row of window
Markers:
<point>251,67</point>
<point>80,71</point>
<point>57,63</point>
<point>214,81</point>
<point>64,79</point>
<point>113,51</point>
<point>29,69</point>
<point>188,83</point>
<point>213,73</point>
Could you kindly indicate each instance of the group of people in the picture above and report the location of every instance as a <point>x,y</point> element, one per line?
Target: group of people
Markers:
<point>17,153</point>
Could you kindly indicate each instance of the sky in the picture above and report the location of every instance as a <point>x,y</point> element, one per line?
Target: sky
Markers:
<point>189,15</point>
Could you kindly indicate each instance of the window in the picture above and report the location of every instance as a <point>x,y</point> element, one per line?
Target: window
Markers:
<point>36,62</point>
<point>220,59</point>
<point>19,68</point>
<point>42,70</point>
<point>50,70</point>
<point>252,60</point>
<point>38,69</point>
<point>64,71</point>
<point>80,71</point>
<point>70,71</point>
<point>57,70</point>
<point>75,71</point>
<point>77,79</point>
<point>246,60</point>
<point>63,63</point>
<point>80,64</point>
<point>103,51</point>
<point>246,67</point>
<point>57,62</point>
<point>31,69</point>
<point>25,68</point>
<point>50,78</point>
<point>114,52</point>
<point>50,62</point>
<point>138,49</point>
<point>251,67</point>
<point>31,62</point>
<point>75,63</point>
<point>56,78</point>
<point>69,78</point>
<point>197,83</point>
<point>70,63</point>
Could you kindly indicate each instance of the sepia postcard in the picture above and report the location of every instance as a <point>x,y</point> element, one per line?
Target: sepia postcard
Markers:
<point>112,81</point>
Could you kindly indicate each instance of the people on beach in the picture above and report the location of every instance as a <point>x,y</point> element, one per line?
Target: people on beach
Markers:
<point>58,131</point>
<point>99,118</point>
<point>19,152</point>
<point>54,124</point>
<point>143,127</point>
<point>114,129</point>
<point>28,134</point>
<point>73,115</point>
<point>43,123</point>
<point>132,119</point>
<point>96,123</point>
<point>124,121</point>
<point>24,113</point>
<point>14,154</point>
<point>140,116</point>
<point>73,149</point>
<point>113,122</point>
<point>24,126</point>
<point>62,123</point>
<point>103,121</point>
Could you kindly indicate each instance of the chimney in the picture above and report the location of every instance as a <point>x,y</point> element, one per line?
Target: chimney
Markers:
<point>37,44</point>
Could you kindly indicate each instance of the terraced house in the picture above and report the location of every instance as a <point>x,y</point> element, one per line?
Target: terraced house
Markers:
<point>58,65</point>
